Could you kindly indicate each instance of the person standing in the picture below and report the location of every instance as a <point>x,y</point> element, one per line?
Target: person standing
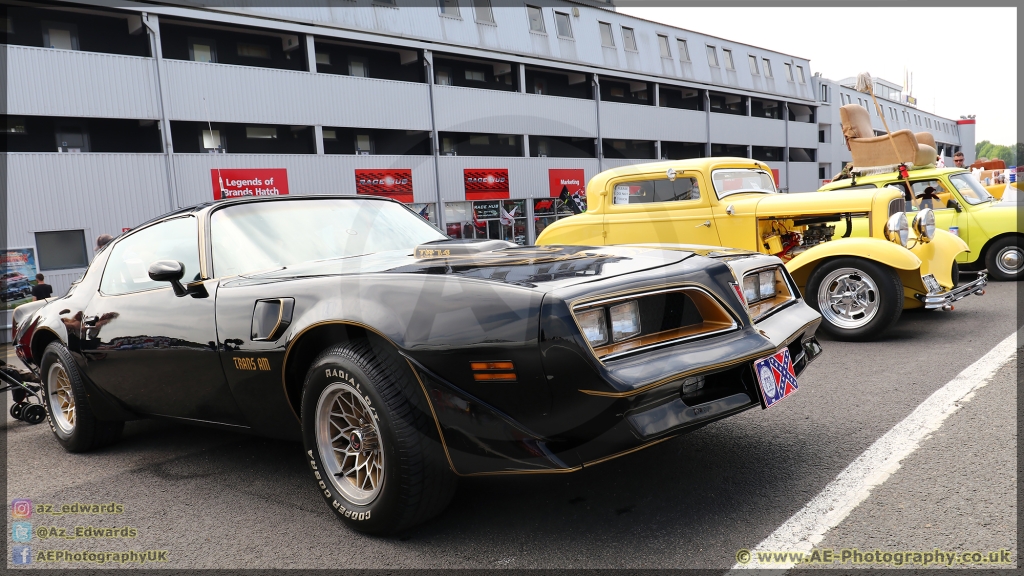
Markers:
<point>42,290</point>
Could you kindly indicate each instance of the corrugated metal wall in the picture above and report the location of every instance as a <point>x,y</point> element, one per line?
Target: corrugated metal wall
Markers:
<point>638,122</point>
<point>474,110</point>
<point>47,82</point>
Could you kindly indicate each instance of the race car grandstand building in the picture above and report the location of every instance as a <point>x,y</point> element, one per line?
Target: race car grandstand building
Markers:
<point>117,115</point>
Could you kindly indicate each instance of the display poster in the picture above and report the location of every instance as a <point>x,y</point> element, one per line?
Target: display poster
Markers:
<point>572,180</point>
<point>395,183</point>
<point>486,210</point>
<point>18,266</point>
<point>241,182</point>
<point>486,183</point>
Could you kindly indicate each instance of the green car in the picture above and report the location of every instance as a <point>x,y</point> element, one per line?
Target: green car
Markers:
<point>962,206</point>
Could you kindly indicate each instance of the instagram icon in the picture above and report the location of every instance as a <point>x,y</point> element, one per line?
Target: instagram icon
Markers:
<point>21,508</point>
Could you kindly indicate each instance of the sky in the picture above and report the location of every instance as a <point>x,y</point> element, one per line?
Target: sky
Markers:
<point>963,68</point>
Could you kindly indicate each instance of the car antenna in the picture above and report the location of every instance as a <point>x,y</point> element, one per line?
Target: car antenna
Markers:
<point>220,180</point>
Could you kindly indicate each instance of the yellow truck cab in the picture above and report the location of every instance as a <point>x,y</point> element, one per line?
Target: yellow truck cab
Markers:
<point>860,285</point>
<point>962,206</point>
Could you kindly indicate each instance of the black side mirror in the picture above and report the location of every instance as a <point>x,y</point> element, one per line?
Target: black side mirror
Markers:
<point>172,271</point>
<point>954,205</point>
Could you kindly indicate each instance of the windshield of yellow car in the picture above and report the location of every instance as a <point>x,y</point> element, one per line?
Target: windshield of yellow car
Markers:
<point>971,190</point>
<point>263,235</point>
<point>738,180</point>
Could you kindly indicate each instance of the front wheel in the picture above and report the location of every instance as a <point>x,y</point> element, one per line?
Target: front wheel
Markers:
<point>371,441</point>
<point>1005,259</point>
<point>858,299</point>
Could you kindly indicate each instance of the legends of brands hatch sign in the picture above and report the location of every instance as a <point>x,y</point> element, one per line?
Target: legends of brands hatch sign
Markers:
<point>393,183</point>
<point>572,180</point>
<point>486,183</point>
<point>239,182</point>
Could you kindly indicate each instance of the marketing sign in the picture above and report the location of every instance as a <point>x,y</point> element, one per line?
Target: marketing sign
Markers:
<point>240,182</point>
<point>572,180</point>
<point>18,268</point>
<point>486,183</point>
<point>393,183</point>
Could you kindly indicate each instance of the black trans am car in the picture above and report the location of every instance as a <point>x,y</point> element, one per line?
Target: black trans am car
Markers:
<point>403,359</point>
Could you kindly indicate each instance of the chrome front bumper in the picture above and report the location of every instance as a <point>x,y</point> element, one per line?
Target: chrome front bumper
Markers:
<point>944,300</point>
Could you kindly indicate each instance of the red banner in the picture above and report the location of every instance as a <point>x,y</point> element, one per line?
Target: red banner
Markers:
<point>486,183</point>
<point>240,182</point>
<point>775,175</point>
<point>572,179</point>
<point>392,183</point>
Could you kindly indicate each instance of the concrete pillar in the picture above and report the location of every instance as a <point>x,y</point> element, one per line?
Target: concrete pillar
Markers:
<point>522,77</point>
<point>531,227</point>
<point>656,98</point>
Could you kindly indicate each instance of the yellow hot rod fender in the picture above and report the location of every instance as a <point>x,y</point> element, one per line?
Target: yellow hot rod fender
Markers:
<point>937,257</point>
<point>878,250</point>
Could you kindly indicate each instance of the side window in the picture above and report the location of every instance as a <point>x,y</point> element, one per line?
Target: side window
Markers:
<point>127,268</point>
<point>930,194</point>
<point>646,191</point>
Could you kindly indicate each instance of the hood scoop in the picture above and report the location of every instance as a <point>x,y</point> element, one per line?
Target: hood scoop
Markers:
<point>447,248</point>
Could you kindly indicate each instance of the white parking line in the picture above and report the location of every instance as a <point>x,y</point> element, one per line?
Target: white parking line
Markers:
<point>852,486</point>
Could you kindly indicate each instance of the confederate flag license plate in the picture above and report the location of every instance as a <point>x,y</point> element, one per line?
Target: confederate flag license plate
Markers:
<point>775,377</point>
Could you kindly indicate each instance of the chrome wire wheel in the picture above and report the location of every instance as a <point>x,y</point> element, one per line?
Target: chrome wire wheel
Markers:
<point>348,439</point>
<point>848,298</point>
<point>62,399</point>
<point>1010,260</point>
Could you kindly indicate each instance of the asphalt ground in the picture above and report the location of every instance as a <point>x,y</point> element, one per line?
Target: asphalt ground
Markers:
<point>216,499</point>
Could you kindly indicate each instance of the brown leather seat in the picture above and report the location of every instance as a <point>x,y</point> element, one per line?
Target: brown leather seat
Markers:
<point>869,150</point>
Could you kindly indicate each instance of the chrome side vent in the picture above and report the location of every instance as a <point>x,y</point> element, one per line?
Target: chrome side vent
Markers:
<point>897,205</point>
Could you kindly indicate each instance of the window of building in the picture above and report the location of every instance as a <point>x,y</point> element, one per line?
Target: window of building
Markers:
<point>443,76</point>
<point>247,50</point>
<point>449,7</point>
<point>767,153</point>
<point>892,112</point>
<point>323,58</point>
<point>631,149</point>
<point>789,71</point>
<point>681,150</point>
<point>536,17</point>
<point>628,39</point>
<point>727,56</point>
<point>684,52</point>
<point>363,141</point>
<point>358,66</point>
<point>802,154</point>
<point>562,25</point>
<point>60,36</point>
<point>8,24</point>
<point>561,147</point>
<point>65,249</point>
<point>765,109</point>
<point>767,67</point>
<point>800,74</point>
<point>364,144</point>
<point>736,150</point>
<point>607,38</point>
<point>712,56</point>
<point>482,219</point>
<point>260,132</point>
<point>824,93</point>
<point>540,86</point>
<point>752,60</point>
<point>666,51</point>
<point>15,125</point>
<point>728,103</point>
<point>202,50</point>
<point>127,268</point>
<point>547,211</point>
<point>385,2</point>
<point>72,137</point>
<point>482,11</point>
<point>476,76</point>
<point>212,141</point>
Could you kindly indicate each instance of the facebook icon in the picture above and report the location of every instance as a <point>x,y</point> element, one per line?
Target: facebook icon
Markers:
<point>21,554</point>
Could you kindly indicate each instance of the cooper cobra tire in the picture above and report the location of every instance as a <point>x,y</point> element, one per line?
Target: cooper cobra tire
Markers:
<point>67,408</point>
<point>371,442</point>
<point>870,298</point>
<point>1004,259</point>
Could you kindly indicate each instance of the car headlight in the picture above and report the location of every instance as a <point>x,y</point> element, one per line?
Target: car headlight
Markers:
<point>766,290</point>
<point>924,225</point>
<point>897,229</point>
<point>625,320</point>
<point>594,326</point>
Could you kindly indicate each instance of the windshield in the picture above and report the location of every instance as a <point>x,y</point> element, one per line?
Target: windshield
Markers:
<point>736,180</point>
<point>263,235</point>
<point>969,188</point>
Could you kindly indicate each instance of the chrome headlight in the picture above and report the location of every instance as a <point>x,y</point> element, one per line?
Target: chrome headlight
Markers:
<point>625,320</point>
<point>924,225</point>
<point>766,290</point>
<point>897,229</point>
<point>594,326</point>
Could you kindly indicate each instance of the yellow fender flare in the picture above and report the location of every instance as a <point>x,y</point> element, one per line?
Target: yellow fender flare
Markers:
<point>882,251</point>
<point>937,256</point>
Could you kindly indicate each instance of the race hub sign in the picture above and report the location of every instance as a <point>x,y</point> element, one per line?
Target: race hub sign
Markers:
<point>486,183</point>
<point>392,183</point>
<point>240,182</point>
<point>571,181</point>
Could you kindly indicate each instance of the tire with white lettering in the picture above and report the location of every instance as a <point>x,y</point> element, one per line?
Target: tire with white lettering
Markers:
<point>67,409</point>
<point>371,441</point>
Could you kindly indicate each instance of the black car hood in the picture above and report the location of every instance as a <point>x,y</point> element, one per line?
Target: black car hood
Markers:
<point>549,267</point>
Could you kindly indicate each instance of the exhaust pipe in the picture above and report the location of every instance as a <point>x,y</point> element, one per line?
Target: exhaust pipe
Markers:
<point>947,307</point>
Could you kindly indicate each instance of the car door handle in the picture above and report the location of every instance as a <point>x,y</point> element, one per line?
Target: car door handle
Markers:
<point>90,320</point>
<point>706,223</point>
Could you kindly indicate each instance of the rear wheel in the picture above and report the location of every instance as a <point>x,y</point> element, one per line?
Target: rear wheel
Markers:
<point>67,409</point>
<point>1005,259</point>
<point>371,442</point>
<point>858,299</point>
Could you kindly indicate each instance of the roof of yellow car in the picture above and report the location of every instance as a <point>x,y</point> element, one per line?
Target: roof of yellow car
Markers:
<point>888,176</point>
<point>702,164</point>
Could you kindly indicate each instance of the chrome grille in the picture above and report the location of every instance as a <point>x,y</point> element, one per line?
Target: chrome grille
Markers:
<point>897,205</point>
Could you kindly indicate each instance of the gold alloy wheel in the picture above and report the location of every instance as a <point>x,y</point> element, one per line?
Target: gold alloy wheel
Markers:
<point>348,441</point>
<point>62,399</point>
